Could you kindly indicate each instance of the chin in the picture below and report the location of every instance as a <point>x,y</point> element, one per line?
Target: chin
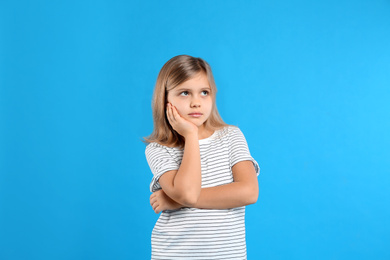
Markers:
<point>197,123</point>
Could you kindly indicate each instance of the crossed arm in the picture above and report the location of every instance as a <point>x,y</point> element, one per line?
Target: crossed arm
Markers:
<point>241,192</point>
<point>182,187</point>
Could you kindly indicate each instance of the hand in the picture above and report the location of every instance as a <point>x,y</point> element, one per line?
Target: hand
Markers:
<point>160,201</point>
<point>179,123</point>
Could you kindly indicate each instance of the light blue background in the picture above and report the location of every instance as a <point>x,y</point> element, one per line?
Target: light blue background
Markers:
<point>308,83</point>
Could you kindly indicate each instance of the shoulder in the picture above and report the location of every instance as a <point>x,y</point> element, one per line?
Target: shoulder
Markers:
<point>153,145</point>
<point>235,136</point>
<point>155,148</point>
<point>232,130</point>
<point>230,134</point>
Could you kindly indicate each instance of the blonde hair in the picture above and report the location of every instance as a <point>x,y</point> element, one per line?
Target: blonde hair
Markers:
<point>174,72</point>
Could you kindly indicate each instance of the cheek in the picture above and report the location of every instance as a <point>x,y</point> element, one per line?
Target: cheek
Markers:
<point>171,100</point>
<point>180,110</point>
<point>210,106</point>
<point>174,103</point>
<point>178,105</point>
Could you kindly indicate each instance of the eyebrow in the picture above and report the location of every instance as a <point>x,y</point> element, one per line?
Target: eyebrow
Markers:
<point>187,89</point>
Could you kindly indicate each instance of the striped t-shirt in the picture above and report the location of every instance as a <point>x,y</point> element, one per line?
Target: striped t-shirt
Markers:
<point>191,233</point>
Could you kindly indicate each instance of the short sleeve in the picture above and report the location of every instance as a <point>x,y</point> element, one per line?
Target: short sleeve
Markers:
<point>239,150</point>
<point>160,161</point>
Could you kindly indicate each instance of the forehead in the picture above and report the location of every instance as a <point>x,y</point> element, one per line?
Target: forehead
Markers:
<point>198,81</point>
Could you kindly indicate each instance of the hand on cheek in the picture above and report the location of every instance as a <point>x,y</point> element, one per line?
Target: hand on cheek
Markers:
<point>179,123</point>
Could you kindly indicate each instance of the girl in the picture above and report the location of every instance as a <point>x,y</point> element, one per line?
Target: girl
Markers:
<point>203,172</point>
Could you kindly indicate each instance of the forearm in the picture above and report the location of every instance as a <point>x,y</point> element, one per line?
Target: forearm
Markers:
<point>242,191</point>
<point>226,196</point>
<point>232,195</point>
<point>188,179</point>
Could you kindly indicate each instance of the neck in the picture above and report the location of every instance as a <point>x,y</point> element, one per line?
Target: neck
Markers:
<point>203,132</point>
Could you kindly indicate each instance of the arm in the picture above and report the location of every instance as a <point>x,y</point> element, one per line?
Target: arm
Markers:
<point>183,185</point>
<point>243,191</point>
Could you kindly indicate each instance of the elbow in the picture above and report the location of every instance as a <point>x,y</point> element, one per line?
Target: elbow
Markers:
<point>252,196</point>
<point>188,198</point>
<point>253,199</point>
<point>190,201</point>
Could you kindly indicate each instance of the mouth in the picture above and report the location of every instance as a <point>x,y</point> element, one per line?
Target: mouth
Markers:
<point>195,114</point>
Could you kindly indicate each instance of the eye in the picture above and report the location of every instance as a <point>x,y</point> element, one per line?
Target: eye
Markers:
<point>205,92</point>
<point>184,93</point>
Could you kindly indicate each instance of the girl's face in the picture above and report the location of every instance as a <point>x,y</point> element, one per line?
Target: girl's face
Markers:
<point>192,99</point>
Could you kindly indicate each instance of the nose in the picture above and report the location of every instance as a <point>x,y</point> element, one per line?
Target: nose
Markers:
<point>195,102</point>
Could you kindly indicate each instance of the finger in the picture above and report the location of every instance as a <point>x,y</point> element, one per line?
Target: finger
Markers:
<point>154,205</point>
<point>156,209</point>
<point>172,112</point>
<point>169,114</point>
<point>175,113</point>
<point>152,201</point>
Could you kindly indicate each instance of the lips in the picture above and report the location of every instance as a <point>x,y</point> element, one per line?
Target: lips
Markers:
<point>195,114</point>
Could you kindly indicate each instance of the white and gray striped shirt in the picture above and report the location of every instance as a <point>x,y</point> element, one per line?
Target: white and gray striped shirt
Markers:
<point>191,233</point>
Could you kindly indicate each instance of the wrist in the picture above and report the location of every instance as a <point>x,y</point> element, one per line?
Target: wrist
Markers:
<point>191,137</point>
